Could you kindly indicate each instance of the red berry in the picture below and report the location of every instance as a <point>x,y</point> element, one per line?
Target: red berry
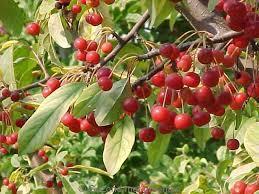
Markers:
<point>15,96</point>
<point>166,50</point>
<point>243,78</point>
<point>241,41</point>
<point>67,119</point>
<point>103,72</point>
<point>228,61</point>
<point>251,188</point>
<point>14,137</point>
<point>11,186</point>
<point>109,2</point>
<point>2,139</point>
<point>166,95</point>
<point>204,96</point>
<point>6,92</point>
<point>147,134</point>
<point>218,56</point>
<point>20,122</point>
<point>33,29</point>
<point>205,56</point>
<point>94,19</point>
<point>201,118</point>
<point>183,121</point>
<point>253,90</point>
<point>143,91</point>
<point>175,54</point>
<point>210,78</point>
<point>80,55</point>
<point>76,9</point>
<point>4,151</point>
<point>64,171</point>
<point>53,83</point>
<point>158,79</point>
<point>107,47</point>
<point>224,98</point>
<point>59,184</point>
<point>91,45</point>
<point>233,51</point>
<point>191,79</point>
<point>45,158</point>
<point>217,133</point>
<point>49,183</point>
<point>5,181</point>
<point>235,9</point>
<point>174,81</point>
<point>75,126</point>
<point>92,57</point>
<point>105,83</point>
<point>130,105</point>
<point>160,114</point>
<point>239,187</point>
<point>232,144</point>
<point>85,125</point>
<point>41,153</point>
<point>80,44</point>
<point>94,3</point>
<point>46,92</point>
<point>184,65</point>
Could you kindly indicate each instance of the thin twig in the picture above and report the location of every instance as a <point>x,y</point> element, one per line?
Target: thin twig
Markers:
<point>41,64</point>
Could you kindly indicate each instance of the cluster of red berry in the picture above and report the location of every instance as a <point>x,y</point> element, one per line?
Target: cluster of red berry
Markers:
<point>7,140</point>
<point>240,187</point>
<point>42,154</point>
<point>51,85</point>
<point>240,16</point>
<point>85,124</point>
<point>11,186</point>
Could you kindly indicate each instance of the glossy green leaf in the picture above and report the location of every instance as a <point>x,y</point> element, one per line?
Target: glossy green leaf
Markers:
<point>109,105</point>
<point>12,16</point>
<point>6,68</point>
<point>57,31</point>
<point>41,125</point>
<point>158,148</point>
<point>15,161</point>
<point>87,100</point>
<point>118,145</point>
<point>245,124</point>
<point>202,135</point>
<point>70,187</point>
<point>46,6</point>
<point>173,18</point>
<point>251,142</point>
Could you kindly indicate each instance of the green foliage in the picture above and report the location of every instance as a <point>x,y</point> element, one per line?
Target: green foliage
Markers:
<point>39,128</point>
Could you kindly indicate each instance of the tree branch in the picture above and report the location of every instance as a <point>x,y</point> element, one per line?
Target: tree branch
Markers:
<point>123,41</point>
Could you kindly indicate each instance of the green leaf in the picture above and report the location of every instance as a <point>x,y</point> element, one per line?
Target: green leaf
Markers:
<point>222,166</point>
<point>241,172</point>
<point>160,10</point>
<point>60,156</point>
<point>41,125</point>
<point>157,148</point>
<point>92,169</point>
<point>245,124</point>
<point>70,187</point>
<point>87,100</point>
<point>12,16</point>
<point>118,145</point>
<point>109,105</point>
<point>251,142</point>
<point>57,31</point>
<point>6,68</point>
<point>194,186</point>
<point>212,4</point>
<point>46,6</point>
<point>173,18</point>
<point>15,161</point>
<point>202,135</point>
